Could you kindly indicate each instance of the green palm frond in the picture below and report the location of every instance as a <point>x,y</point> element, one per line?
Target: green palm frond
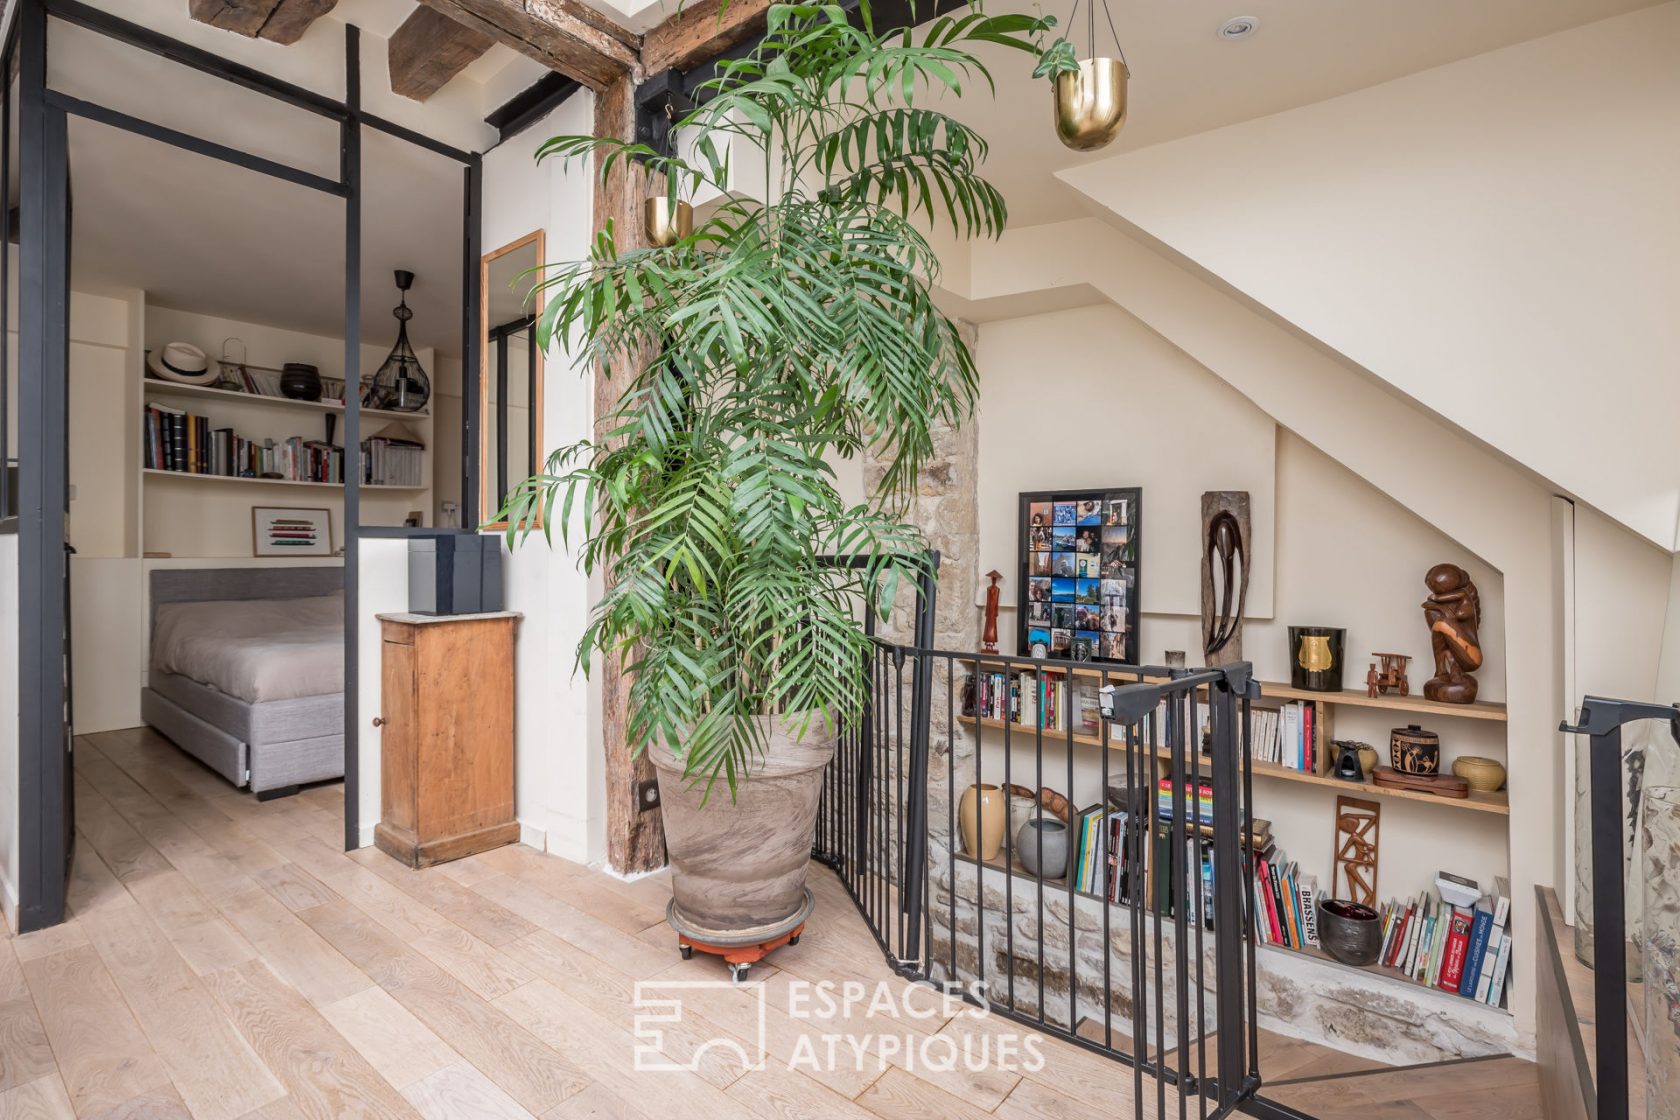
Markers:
<point>781,335</point>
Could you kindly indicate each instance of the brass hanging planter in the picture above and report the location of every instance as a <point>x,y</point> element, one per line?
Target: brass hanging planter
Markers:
<point>1091,104</point>
<point>666,222</point>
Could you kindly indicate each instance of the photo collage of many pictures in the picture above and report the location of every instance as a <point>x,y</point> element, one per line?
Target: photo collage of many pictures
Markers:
<point>1080,560</point>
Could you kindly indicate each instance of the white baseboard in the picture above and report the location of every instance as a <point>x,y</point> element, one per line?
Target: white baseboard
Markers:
<point>533,837</point>
<point>364,836</point>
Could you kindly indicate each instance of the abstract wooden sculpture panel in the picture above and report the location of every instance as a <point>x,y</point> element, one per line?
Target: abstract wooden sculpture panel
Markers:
<point>1225,552</point>
<point>1354,875</point>
<point>1454,614</point>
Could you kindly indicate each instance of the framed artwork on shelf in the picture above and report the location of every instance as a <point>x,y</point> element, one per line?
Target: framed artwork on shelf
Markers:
<point>281,531</point>
<point>1079,574</point>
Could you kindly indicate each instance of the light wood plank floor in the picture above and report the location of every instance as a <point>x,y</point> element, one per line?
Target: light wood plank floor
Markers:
<point>224,959</point>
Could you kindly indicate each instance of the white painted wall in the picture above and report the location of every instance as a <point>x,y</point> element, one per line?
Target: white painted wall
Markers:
<point>382,588</point>
<point>1496,238</point>
<point>1093,398</point>
<point>560,764</point>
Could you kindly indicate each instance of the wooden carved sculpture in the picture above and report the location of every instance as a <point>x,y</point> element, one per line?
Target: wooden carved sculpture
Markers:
<point>1356,851</point>
<point>1225,541</point>
<point>1454,614</point>
<point>988,637</point>
<point>1391,675</point>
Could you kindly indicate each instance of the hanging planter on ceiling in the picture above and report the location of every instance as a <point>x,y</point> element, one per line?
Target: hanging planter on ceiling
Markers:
<point>1089,93</point>
<point>666,220</point>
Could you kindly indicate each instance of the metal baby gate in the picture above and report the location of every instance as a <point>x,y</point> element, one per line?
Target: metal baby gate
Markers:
<point>1126,932</point>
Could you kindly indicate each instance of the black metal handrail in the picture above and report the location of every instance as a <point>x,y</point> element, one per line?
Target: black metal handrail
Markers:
<point>889,828</point>
<point>1603,720</point>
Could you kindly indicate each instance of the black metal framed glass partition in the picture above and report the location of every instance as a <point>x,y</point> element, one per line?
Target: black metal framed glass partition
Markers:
<point>40,416</point>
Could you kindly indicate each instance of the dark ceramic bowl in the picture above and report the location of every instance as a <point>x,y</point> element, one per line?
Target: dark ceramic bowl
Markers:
<point>1349,932</point>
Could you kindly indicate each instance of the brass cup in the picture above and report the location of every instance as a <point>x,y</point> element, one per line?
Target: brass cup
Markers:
<point>1091,105</point>
<point>664,225</point>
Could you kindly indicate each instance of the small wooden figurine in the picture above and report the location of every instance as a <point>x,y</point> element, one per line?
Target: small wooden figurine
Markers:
<point>1356,851</point>
<point>1454,614</point>
<point>988,638</point>
<point>1391,675</point>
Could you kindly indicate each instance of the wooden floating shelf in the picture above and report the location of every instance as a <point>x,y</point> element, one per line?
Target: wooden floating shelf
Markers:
<point>1348,698</point>
<point>1496,803</point>
<point>174,389</point>
<point>191,477</point>
<point>1015,870</point>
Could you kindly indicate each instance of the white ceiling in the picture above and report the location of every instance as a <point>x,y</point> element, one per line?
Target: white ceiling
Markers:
<point>1186,80</point>
<point>199,234</point>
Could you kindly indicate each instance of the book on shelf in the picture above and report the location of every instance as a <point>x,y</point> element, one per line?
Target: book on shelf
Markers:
<point>1460,949</point>
<point>183,442</point>
<point>1288,736</point>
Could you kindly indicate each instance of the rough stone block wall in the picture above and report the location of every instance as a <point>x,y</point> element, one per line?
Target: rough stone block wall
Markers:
<point>1661,950</point>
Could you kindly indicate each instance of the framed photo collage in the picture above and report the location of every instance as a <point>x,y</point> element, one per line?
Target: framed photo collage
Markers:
<point>1079,574</point>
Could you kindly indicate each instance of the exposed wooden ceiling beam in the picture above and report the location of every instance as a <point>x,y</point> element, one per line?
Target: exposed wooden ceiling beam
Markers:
<point>293,17</point>
<point>282,21</point>
<point>563,35</point>
<point>699,32</point>
<point>428,50</point>
<point>244,17</point>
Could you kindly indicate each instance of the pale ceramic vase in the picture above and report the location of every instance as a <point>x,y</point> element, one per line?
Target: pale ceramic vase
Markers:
<point>738,867</point>
<point>982,815</point>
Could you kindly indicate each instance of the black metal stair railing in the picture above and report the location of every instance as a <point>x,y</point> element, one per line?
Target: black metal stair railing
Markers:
<point>1603,720</point>
<point>1138,945</point>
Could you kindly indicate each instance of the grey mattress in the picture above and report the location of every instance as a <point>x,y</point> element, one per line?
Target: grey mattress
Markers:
<point>268,721</point>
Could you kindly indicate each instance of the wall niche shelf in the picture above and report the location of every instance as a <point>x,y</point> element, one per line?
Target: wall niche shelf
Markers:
<point>156,387</point>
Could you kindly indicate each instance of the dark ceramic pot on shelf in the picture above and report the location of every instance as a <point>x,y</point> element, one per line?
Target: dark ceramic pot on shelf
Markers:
<point>1349,932</point>
<point>1412,750</point>
<point>1315,657</point>
<point>300,381</point>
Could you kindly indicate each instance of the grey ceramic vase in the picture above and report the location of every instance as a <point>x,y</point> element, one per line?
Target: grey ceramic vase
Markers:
<point>1349,932</point>
<point>738,867</point>
<point>1052,864</point>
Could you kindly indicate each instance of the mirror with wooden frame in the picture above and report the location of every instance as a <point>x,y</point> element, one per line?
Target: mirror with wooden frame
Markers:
<point>510,384</point>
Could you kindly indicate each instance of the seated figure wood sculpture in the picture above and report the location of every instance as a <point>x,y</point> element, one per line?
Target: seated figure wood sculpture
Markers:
<point>1454,614</point>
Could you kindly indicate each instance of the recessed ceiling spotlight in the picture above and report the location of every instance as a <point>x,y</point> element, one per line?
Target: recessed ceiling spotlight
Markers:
<point>1239,27</point>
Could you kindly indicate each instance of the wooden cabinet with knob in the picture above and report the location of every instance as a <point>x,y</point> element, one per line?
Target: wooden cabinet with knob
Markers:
<point>446,736</point>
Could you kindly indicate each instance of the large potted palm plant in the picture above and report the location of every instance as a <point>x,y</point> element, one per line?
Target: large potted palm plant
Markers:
<point>782,333</point>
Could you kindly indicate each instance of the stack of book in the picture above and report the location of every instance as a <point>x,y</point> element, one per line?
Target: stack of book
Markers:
<point>174,440</point>
<point>1287,736</point>
<point>1285,902</point>
<point>1464,949</point>
<point>388,461</point>
<point>1039,700</point>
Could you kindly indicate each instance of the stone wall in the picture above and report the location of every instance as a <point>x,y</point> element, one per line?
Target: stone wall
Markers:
<point>1661,858</point>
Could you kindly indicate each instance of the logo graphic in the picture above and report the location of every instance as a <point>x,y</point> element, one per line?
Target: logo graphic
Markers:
<point>658,1008</point>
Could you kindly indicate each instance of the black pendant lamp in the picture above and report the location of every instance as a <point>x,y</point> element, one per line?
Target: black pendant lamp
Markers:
<point>401,385</point>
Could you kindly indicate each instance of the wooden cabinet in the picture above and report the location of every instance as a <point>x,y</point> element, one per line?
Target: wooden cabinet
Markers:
<point>446,743</point>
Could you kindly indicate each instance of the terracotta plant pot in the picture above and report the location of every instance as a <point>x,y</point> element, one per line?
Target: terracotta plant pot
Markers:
<point>982,815</point>
<point>1484,775</point>
<point>738,867</point>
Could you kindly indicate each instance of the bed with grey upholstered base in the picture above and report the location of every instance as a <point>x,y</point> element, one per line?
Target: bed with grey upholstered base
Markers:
<point>231,647</point>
